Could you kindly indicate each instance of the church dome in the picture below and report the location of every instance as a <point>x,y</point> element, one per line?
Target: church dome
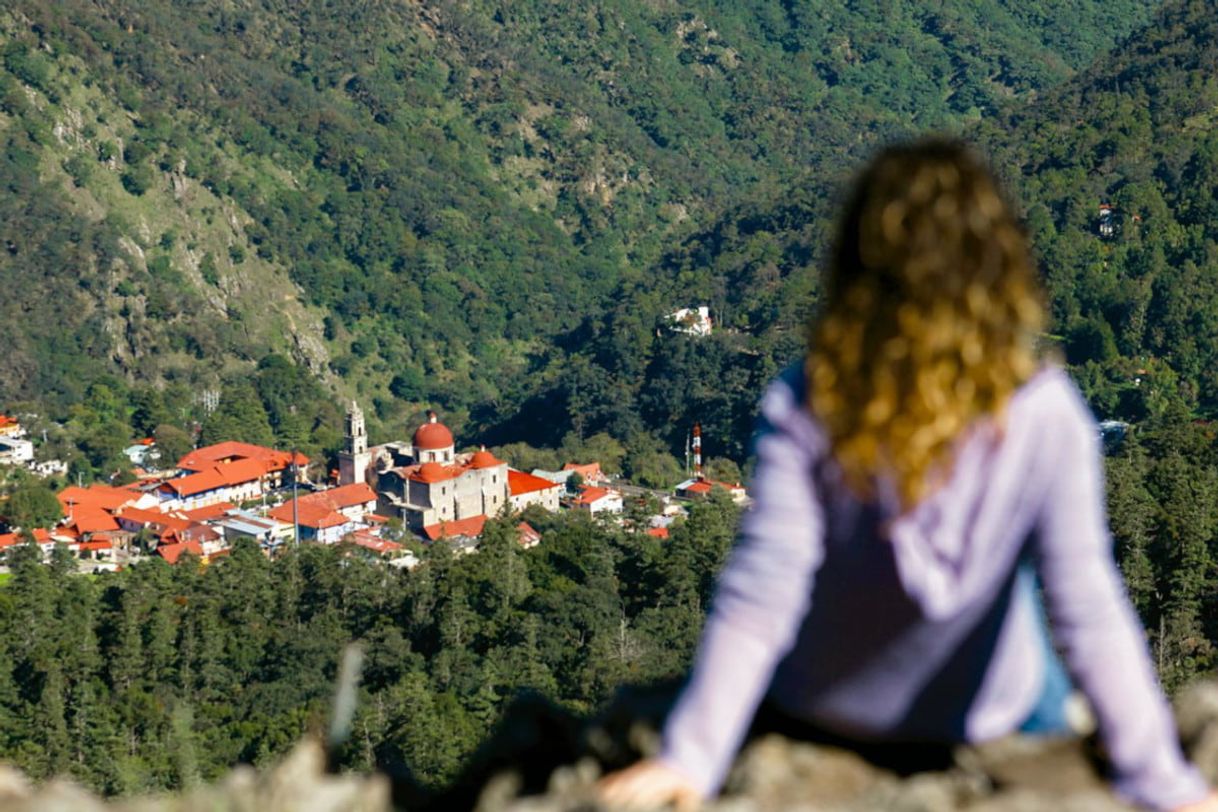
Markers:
<point>430,472</point>
<point>432,435</point>
<point>483,459</point>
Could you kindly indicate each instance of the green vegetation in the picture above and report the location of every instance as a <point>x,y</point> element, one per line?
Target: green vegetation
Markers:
<point>157,676</point>
<point>490,208</point>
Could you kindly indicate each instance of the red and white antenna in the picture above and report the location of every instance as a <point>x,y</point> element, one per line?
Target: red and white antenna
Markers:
<point>698,450</point>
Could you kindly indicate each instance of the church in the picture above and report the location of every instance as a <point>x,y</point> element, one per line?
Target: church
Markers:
<point>425,482</point>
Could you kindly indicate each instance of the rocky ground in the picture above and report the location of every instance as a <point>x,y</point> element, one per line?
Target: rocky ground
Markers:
<point>1012,775</point>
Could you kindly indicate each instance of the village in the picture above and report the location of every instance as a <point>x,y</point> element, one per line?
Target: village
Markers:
<point>389,501</point>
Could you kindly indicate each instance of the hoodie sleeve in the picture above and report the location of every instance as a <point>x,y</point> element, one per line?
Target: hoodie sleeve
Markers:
<point>762,596</point>
<point>1096,626</point>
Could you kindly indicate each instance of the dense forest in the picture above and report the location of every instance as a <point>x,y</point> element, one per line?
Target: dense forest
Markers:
<point>160,676</point>
<point>490,208</point>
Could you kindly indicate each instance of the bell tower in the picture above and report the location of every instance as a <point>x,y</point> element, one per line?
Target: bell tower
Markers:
<point>354,459</point>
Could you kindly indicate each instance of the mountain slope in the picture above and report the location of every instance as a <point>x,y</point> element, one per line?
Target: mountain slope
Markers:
<point>447,185</point>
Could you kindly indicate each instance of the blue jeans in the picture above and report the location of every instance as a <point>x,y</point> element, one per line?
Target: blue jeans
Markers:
<point>1048,716</point>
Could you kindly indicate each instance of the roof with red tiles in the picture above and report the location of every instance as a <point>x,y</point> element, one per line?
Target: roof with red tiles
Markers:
<point>433,472</point>
<point>520,483</point>
<point>371,542</point>
<point>224,475</point>
<point>589,495</point>
<point>207,513</point>
<point>457,527</point>
<point>321,510</point>
<point>102,497</point>
<point>231,451</point>
<point>9,539</point>
<point>172,552</point>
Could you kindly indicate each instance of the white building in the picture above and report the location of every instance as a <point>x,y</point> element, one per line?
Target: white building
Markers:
<point>691,321</point>
<point>15,451</point>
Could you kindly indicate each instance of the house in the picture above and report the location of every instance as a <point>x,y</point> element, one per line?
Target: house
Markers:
<point>278,464</point>
<point>10,427</point>
<point>15,450</point>
<point>527,536</point>
<point>590,472</point>
<point>230,472</point>
<point>238,481</point>
<point>269,533</point>
<point>658,532</point>
<point>527,489</point>
<point>41,537</point>
<point>172,553</point>
<point>690,321</point>
<point>456,529</point>
<point>700,487</point>
<point>598,500</point>
<point>327,516</point>
<point>143,453</point>
<point>1107,224</point>
<point>367,540</point>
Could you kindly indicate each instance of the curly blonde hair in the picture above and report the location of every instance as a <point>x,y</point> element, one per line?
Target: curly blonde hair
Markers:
<point>929,318</point>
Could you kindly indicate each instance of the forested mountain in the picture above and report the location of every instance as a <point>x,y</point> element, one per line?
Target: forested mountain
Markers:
<point>489,207</point>
<point>158,676</point>
<point>413,202</point>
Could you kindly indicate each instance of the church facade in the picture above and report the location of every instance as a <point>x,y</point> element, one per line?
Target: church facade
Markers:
<point>425,482</point>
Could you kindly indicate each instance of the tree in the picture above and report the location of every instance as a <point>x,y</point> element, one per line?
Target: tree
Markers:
<point>33,505</point>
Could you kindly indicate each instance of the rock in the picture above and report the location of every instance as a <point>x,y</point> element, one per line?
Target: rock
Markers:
<point>540,747</point>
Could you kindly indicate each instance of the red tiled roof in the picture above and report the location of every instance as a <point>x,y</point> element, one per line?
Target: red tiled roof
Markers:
<point>225,475</point>
<point>432,472</point>
<point>702,485</point>
<point>520,483</point>
<point>591,470</point>
<point>527,533</point>
<point>321,509</point>
<point>658,532</point>
<point>101,497</point>
<point>588,494</point>
<point>9,539</point>
<point>231,451</point>
<point>87,520</point>
<point>200,533</point>
<point>371,542</point>
<point>155,518</point>
<point>310,515</point>
<point>96,543</point>
<point>208,513</point>
<point>172,552</point>
<point>458,527</point>
<point>483,459</point>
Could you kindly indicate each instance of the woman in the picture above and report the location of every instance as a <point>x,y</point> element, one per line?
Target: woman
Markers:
<point>921,469</point>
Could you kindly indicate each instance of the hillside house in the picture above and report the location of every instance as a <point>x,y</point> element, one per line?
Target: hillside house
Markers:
<point>15,451</point>
<point>327,516</point>
<point>691,321</point>
<point>527,489</point>
<point>598,500</point>
<point>700,487</point>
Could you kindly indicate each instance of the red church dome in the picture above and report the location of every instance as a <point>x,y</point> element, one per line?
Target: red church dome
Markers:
<point>431,472</point>
<point>483,459</point>
<point>432,435</point>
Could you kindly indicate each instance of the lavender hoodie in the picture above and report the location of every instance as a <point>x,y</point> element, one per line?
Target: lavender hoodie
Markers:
<point>882,626</point>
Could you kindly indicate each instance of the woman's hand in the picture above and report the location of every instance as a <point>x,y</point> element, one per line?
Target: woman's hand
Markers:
<point>1208,804</point>
<point>652,784</point>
